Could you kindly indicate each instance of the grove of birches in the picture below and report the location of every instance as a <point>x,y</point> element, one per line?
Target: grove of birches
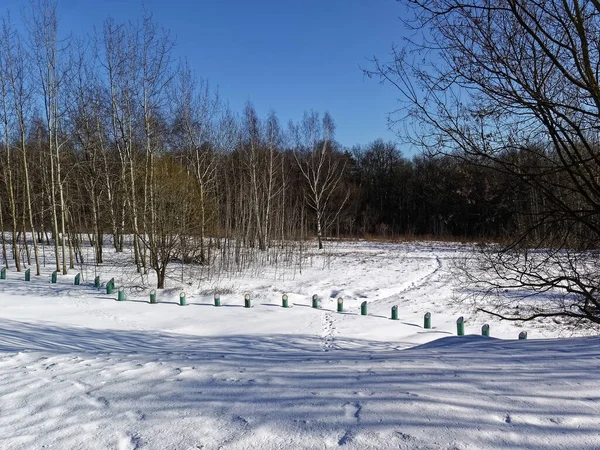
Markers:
<point>110,139</point>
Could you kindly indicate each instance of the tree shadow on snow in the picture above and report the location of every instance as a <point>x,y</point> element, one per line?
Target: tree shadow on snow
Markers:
<point>466,387</point>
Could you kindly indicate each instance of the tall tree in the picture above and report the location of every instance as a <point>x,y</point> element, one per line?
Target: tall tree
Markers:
<point>155,50</point>
<point>8,166</point>
<point>120,59</point>
<point>321,168</point>
<point>505,81</point>
<point>196,108</point>
<point>43,29</point>
<point>89,135</point>
<point>18,74</point>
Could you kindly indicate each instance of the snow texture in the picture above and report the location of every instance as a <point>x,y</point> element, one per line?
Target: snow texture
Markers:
<point>79,370</point>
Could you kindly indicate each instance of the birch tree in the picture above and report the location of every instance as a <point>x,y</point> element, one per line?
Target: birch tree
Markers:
<point>18,74</point>
<point>43,29</point>
<point>155,50</point>
<point>120,59</point>
<point>320,168</point>
<point>195,113</point>
<point>7,119</point>
<point>89,134</point>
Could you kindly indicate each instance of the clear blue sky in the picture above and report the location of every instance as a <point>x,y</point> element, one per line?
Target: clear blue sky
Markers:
<point>285,55</point>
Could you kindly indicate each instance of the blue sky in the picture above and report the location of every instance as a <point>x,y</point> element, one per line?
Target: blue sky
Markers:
<point>286,55</point>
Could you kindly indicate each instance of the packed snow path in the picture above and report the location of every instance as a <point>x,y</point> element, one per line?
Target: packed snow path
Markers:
<point>80,370</point>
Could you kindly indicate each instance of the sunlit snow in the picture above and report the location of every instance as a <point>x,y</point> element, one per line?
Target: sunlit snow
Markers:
<point>80,370</point>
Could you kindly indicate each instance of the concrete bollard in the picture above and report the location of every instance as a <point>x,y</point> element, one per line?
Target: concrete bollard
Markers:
<point>427,321</point>
<point>460,326</point>
<point>315,301</point>
<point>523,335</point>
<point>340,304</point>
<point>110,286</point>
<point>77,281</point>
<point>247,301</point>
<point>153,296</point>
<point>394,313</point>
<point>217,299</point>
<point>121,294</point>
<point>284,301</point>
<point>363,308</point>
<point>485,330</point>
<point>182,301</point>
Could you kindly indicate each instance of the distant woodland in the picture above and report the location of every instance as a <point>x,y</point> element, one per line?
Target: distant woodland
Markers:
<point>110,136</point>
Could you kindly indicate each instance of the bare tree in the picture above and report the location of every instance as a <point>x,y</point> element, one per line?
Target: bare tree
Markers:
<point>120,59</point>
<point>89,135</point>
<point>174,214</point>
<point>155,51</point>
<point>4,253</point>
<point>8,166</point>
<point>18,74</point>
<point>260,156</point>
<point>43,27</point>
<point>273,178</point>
<point>195,113</point>
<point>320,167</point>
<point>513,86</point>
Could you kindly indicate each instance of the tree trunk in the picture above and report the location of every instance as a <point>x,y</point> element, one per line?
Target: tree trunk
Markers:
<point>4,255</point>
<point>28,196</point>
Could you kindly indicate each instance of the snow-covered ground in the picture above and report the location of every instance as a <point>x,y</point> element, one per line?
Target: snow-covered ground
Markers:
<point>80,370</point>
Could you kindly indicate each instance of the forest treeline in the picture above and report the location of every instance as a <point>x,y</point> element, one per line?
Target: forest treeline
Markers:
<point>110,136</point>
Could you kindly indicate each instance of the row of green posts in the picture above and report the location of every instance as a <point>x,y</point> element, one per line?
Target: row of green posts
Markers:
<point>460,322</point>
<point>485,329</point>
<point>110,288</point>
<point>3,274</point>
<point>53,277</point>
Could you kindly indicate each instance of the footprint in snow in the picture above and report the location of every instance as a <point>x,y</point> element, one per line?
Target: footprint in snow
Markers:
<point>352,410</point>
<point>347,438</point>
<point>129,442</point>
<point>98,402</point>
<point>404,436</point>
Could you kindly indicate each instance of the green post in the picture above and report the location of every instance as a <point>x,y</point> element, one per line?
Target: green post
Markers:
<point>97,282</point>
<point>28,275</point>
<point>53,279</point>
<point>340,304</point>
<point>363,308</point>
<point>77,281</point>
<point>284,301</point>
<point>394,313</point>
<point>315,301</point>
<point>182,301</point>
<point>217,299</point>
<point>247,302</point>
<point>121,294</point>
<point>460,326</point>
<point>110,286</point>
<point>522,335</point>
<point>485,330</point>
<point>427,324</point>
<point>153,296</point>
<point>3,274</point>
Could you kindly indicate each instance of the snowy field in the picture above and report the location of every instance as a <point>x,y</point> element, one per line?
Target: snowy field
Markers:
<point>80,370</point>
